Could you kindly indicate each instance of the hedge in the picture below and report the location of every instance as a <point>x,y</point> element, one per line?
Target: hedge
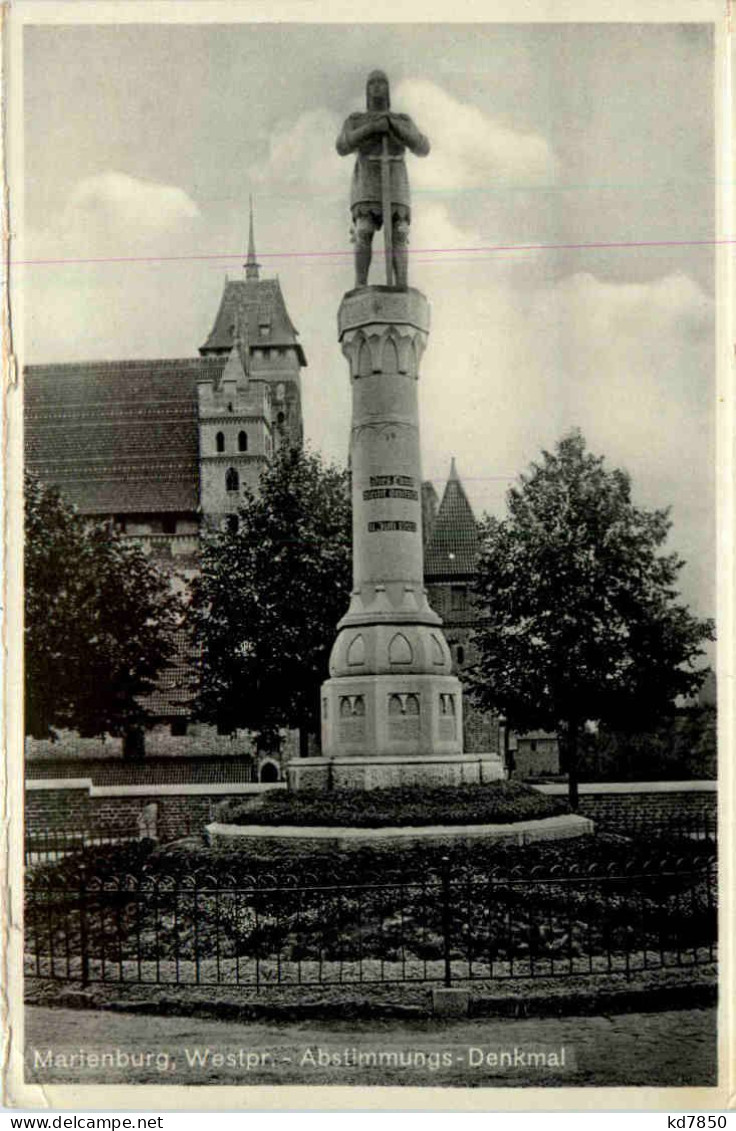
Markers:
<point>499,803</point>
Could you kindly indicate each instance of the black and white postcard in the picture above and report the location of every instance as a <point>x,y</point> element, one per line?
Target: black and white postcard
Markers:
<point>369,601</point>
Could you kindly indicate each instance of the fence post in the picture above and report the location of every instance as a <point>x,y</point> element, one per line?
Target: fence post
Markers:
<point>446,917</point>
<point>83,934</point>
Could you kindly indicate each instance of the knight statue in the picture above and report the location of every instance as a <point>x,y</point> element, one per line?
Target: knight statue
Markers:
<point>380,182</point>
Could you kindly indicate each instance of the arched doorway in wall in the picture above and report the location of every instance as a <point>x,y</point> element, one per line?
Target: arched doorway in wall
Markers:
<point>269,772</point>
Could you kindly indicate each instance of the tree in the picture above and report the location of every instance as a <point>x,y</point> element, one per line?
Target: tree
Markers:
<point>579,616</point>
<point>681,745</point>
<point>100,621</point>
<point>268,599</point>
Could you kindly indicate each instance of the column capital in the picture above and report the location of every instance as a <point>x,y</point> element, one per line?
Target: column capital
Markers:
<point>372,306</point>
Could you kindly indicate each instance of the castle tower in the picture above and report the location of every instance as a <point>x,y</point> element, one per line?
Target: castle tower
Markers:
<point>271,350</point>
<point>235,436</point>
<point>451,553</point>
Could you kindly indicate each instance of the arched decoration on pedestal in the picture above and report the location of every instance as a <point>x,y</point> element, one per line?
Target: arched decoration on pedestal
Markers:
<point>399,650</point>
<point>356,652</point>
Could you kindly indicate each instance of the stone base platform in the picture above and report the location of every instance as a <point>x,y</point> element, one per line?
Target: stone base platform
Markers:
<point>394,770</point>
<point>565,827</point>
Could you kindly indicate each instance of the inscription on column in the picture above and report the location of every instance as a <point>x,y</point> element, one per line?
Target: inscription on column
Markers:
<point>391,480</point>
<point>391,525</point>
<point>390,493</point>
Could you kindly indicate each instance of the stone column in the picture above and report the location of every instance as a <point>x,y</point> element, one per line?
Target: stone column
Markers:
<point>392,709</point>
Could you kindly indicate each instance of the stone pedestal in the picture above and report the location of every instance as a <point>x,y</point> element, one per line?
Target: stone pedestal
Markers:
<point>392,708</point>
<point>373,772</point>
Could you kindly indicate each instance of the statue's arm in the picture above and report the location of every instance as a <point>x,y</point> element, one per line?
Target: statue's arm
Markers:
<point>356,130</point>
<point>405,130</point>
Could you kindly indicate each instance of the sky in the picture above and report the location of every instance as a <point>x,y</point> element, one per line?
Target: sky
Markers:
<point>562,227</point>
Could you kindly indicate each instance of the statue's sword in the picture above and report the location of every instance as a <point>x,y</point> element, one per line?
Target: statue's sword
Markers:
<point>387,217</point>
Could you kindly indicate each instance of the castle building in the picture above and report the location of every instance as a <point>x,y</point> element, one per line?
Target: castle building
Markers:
<point>452,546</point>
<point>164,447</point>
<point>451,553</point>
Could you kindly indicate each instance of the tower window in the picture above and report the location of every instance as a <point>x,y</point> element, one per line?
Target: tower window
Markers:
<point>220,441</point>
<point>280,418</point>
<point>460,654</point>
<point>232,480</point>
<point>242,441</point>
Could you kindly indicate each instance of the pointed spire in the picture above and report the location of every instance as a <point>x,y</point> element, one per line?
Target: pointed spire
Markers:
<point>452,547</point>
<point>237,362</point>
<point>234,369</point>
<point>251,266</point>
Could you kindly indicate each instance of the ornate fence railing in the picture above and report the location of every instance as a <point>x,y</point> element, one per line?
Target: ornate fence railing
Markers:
<point>42,846</point>
<point>702,826</point>
<point>447,927</point>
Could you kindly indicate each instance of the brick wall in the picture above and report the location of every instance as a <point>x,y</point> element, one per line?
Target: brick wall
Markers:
<point>480,730</point>
<point>199,741</point>
<point>59,809</point>
<point>183,811</point>
<point>655,807</point>
<point>627,802</point>
<point>180,812</point>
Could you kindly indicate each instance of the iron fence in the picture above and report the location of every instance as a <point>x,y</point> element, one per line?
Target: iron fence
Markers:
<point>701,826</point>
<point>44,846</point>
<point>446,927</point>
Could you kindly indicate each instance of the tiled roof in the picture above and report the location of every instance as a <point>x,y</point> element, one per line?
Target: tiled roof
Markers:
<point>154,770</point>
<point>119,436</point>
<point>252,304</point>
<point>176,683</point>
<point>452,549</point>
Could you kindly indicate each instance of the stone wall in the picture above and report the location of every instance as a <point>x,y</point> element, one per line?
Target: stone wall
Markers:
<point>535,757</point>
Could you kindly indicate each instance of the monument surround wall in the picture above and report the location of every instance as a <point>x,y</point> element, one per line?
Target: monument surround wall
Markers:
<point>76,805</point>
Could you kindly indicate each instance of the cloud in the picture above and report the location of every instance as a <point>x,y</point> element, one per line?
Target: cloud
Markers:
<point>435,235</point>
<point>302,153</point>
<point>100,265</point>
<point>117,202</point>
<point>469,149</point>
<point>471,154</point>
<point>508,372</point>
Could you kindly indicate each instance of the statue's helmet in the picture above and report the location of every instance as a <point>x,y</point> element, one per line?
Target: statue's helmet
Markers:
<point>377,94</point>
